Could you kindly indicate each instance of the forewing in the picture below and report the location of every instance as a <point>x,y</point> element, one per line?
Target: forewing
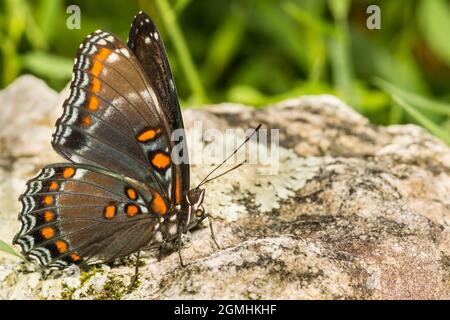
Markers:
<point>146,43</point>
<point>111,118</point>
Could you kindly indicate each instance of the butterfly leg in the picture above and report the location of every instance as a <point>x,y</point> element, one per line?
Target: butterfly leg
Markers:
<point>197,222</point>
<point>213,237</point>
<point>136,272</point>
<point>181,259</point>
<point>179,248</point>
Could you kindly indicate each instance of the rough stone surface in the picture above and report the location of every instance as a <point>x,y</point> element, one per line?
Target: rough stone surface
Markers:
<point>356,211</point>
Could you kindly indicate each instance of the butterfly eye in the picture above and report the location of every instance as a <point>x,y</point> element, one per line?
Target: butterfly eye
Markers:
<point>199,212</point>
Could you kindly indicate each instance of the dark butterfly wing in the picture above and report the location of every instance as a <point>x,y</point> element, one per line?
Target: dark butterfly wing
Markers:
<point>119,117</point>
<point>112,117</point>
<point>146,43</point>
<point>75,213</point>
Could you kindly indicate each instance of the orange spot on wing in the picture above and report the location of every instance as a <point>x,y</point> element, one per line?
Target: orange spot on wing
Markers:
<point>103,54</point>
<point>177,190</point>
<point>86,121</point>
<point>131,194</point>
<point>48,200</point>
<point>161,160</point>
<point>93,103</point>
<point>74,257</point>
<point>148,135</point>
<point>68,172</point>
<point>110,211</point>
<point>61,246</point>
<point>97,68</point>
<point>158,204</point>
<point>53,186</point>
<point>48,232</point>
<point>95,85</point>
<point>48,216</point>
<point>132,210</point>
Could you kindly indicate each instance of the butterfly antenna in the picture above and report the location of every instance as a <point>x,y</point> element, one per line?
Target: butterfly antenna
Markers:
<point>223,173</point>
<point>232,154</point>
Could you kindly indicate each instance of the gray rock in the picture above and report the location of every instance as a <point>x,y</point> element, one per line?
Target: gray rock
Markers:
<point>355,211</point>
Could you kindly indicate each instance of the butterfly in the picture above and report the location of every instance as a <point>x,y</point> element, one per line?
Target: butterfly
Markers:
<point>127,185</point>
<point>125,188</point>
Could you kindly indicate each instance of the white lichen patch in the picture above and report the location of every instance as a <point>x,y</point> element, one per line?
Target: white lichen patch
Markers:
<point>265,180</point>
<point>28,281</point>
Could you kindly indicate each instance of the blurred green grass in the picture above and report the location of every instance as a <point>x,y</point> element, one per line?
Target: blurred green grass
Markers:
<point>261,51</point>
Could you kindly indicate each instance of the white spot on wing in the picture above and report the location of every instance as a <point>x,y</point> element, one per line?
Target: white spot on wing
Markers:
<point>79,174</point>
<point>113,57</point>
<point>125,52</point>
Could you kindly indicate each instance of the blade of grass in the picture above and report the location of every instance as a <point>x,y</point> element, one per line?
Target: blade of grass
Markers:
<point>4,247</point>
<point>304,17</point>
<point>395,114</point>
<point>224,44</point>
<point>16,24</point>
<point>434,22</point>
<point>188,66</point>
<point>414,99</point>
<point>33,32</point>
<point>11,69</point>
<point>48,65</point>
<point>421,119</point>
<point>272,21</point>
<point>316,32</point>
<point>340,9</point>
<point>251,96</point>
<point>47,17</point>
<point>246,95</point>
<point>180,5</point>
<point>371,100</point>
<point>340,52</point>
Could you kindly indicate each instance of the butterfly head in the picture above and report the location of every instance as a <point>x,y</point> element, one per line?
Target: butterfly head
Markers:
<point>195,198</point>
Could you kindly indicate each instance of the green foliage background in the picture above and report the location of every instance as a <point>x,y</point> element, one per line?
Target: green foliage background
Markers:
<point>261,51</point>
